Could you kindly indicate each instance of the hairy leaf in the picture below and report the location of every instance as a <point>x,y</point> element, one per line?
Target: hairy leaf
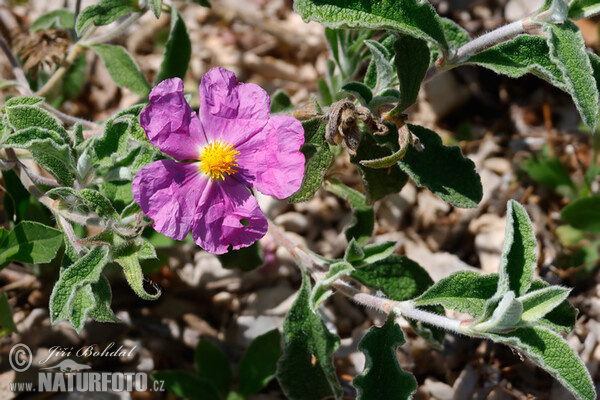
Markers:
<point>538,303</point>
<point>411,17</point>
<point>568,51</point>
<point>553,354</point>
<point>57,19</point>
<point>560,319</point>
<point>363,216</point>
<point>103,13</point>
<point>519,255</point>
<point>259,364</point>
<point>6,316</point>
<point>308,352</point>
<point>213,366</point>
<point>583,8</point>
<point>29,242</point>
<point>321,291</point>
<point>360,91</point>
<point>442,169</point>
<point>178,50</point>
<point>384,69</point>
<point>122,68</point>
<point>412,62</point>
<point>383,378</point>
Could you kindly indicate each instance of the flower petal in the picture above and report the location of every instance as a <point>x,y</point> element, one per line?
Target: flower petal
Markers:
<point>170,123</point>
<point>228,216</point>
<point>271,161</point>
<point>169,193</point>
<point>230,110</point>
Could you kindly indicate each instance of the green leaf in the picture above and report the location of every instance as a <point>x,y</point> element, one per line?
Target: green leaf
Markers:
<point>119,193</point>
<point>74,79</point>
<point>102,298</point>
<point>81,303</point>
<point>383,378</point>
<point>560,319</point>
<point>378,183</point>
<point>354,253</point>
<point>363,216</point>
<point>42,141</point>
<point>583,8</point>
<point>30,242</point>
<point>519,257</point>
<point>463,291</point>
<point>204,3</point>
<point>23,100</point>
<point>91,198</point>
<point>360,91</point>
<point>30,116</point>
<point>259,364</point>
<point>122,68</point>
<point>85,271</point>
<point>114,142</point>
<point>442,169</point>
<point>321,291</point>
<point>308,352</point>
<point>553,354</point>
<point>156,6</point>
<point>103,13</point>
<point>383,66</point>
<point>178,50</point>
<point>399,277</point>
<point>186,385</point>
<point>57,19</point>
<point>58,169</point>
<point>568,51</point>
<point>213,366</point>
<point>133,274</point>
<point>538,303</point>
<point>6,316</point>
<point>245,259</point>
<point>506,314</point>
<point>280,102</point>
<point>525,54</point>
<point>412,61</point>
<point>377,251</point>
<point>411,17</point>
<point>583,214</point>
<point>318,158</point>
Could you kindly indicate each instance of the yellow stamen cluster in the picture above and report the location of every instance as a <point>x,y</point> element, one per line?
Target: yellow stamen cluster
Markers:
<point>217,159</point>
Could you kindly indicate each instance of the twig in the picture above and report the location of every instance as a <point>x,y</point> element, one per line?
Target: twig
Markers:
<point>70,234</point>
<point>114,33</point>
<point>16,68</point>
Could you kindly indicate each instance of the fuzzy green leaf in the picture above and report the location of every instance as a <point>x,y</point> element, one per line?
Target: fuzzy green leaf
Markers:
<point>308,352</point>
<point>412,62</point>
<point>411,17</point>
<point>583,8</point>
<point>551,172</point>
<point>23,100</point>
<point>553,354</point>
<point>259,364</point>
<point>42,141</point>
<point>383,378</point>
<point>360,91</point>
<point>133,273</point>
<point>318,158</point>
<point>280,102</point>
<point>321,291</point>
<point>568,51</point>
<point>383,67</point>
<point>29,242</point>
<point>102,298</point>
<point>561,318</point>
<point>122,68</point>
<point>463,291</point>
<point>91,198</point>
<point>30,116</point>
<point>57,19</point>
<point>213,366</point>
<point>58,169</point>
<point>519,255</point>
<point>83,272</point>
<point>442,169</point>
<point>499,315</point>
<point>6,316</point>
<point>354,253</point>
<point>103,13</point>
<point>378,183</point>
<point>178,50</point>
<point>583,214</point>
<point>363,216</point>
<point>538,303</point>
<point>525,54</point>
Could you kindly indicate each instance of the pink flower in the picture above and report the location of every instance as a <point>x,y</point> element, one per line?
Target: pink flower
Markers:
<point>234,145</point>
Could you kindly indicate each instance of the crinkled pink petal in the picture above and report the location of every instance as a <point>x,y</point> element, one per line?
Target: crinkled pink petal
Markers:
<point>170,123</point>
<point>169,193</point>
<point>228,215</point>
<point>231,111</point>
<point>271,161</point>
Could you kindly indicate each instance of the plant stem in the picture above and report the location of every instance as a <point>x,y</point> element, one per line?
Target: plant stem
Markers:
<point>16,68</point>
<point>118,31</point>
<point>485,41</point>
<point>310,261</point>
<point>75,51</point>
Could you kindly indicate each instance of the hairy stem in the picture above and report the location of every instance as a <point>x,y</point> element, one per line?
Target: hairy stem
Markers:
<point>310,261</point>
<point>114,33</point>
<point>485,41</point>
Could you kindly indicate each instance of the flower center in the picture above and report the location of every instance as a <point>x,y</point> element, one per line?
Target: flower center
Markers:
<point>217,159</point>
